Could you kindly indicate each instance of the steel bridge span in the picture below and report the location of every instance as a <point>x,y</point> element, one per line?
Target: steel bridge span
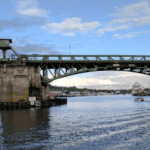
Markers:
<point>60,66</point>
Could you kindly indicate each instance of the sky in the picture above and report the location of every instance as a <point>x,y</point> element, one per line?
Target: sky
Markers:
<point>90,27</point>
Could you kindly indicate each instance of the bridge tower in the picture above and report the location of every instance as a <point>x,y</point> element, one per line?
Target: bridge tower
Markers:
<point>4,45</point>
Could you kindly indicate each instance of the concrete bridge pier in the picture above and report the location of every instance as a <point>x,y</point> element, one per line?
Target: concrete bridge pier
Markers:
<point>19,81</point>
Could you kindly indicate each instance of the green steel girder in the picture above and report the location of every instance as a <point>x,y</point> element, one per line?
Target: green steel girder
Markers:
<point>85,58</point>
<point>85,69</point>
<point>74,58</point>
<point>75,64</point>
<point>47,80</point>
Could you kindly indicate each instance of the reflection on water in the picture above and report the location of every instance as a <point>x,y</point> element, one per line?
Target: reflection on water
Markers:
<point>97,122</point>
<point>23,127</point>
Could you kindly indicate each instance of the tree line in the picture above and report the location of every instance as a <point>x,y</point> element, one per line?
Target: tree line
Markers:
<point>74,88</point>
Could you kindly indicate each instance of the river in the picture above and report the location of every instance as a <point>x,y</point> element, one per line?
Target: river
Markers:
<point>113,122</point>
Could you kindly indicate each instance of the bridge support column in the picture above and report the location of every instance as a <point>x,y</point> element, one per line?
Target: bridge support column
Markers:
<point>19,81</point>
<point>4,55</point>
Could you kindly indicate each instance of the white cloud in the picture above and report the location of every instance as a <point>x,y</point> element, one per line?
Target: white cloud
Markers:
<point>105,80</point>
<point>80,82</point>
<point>137,14</point>
<point>71,26</point>
<point>144,20</point>
<point>112,29</point>
<point>130,35</point>
<point>118,36</point>
<point>30,8</point>
<point>124,20</point>
<point>133,10</point>
<point>122,79</point>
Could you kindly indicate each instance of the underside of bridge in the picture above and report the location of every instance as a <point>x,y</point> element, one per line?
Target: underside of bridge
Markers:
<point>20,80</point>
<point>64,69</point>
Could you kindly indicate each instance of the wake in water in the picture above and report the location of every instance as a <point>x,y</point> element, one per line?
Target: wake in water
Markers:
<point>85,123</point>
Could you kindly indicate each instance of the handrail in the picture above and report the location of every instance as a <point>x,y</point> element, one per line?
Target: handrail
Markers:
<point>16,54</point>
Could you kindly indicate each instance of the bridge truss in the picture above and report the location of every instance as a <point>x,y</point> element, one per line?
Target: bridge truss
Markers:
<point>60,66</point>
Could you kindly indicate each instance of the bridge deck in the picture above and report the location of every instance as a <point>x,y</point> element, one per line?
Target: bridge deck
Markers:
<point>65,65</point>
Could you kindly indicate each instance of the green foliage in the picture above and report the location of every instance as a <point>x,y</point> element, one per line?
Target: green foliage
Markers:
<point>128,91</point>
<point>73,88</point>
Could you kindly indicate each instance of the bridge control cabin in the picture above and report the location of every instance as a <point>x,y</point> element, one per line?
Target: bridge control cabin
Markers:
<point>4,44</point>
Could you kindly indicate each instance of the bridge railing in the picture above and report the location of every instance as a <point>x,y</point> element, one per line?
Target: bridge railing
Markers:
<point>110,58</point>
<point>81,58</point>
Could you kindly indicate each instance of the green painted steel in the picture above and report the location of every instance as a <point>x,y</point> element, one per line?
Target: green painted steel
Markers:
<point>74,58</point>
<point>60,66</point>
<point>5,43</point>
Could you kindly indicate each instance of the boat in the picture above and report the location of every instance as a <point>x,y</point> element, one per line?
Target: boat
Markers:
<point>139,99</point>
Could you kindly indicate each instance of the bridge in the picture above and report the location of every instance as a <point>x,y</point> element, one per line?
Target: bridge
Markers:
<point>60,66</point>
<point>65,65</point>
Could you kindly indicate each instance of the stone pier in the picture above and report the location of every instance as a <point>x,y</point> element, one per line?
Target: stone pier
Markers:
<point>18,81</point>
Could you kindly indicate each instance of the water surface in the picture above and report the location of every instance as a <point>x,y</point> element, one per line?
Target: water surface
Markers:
<point>86,123</point>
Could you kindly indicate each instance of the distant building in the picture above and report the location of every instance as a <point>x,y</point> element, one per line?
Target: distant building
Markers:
<point>138,90</point>
<point>75,93</point>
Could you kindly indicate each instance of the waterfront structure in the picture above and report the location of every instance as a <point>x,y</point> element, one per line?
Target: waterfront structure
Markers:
<point>148,93</point>
<point>75,93</point>
<point>138,90</point>
<point>117,92</point>
<point>21,78</point>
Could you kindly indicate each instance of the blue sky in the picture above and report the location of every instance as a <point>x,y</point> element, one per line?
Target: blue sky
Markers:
<point>89,27</point>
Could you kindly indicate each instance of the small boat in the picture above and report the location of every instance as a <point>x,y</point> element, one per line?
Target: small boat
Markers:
<point>139,99</point>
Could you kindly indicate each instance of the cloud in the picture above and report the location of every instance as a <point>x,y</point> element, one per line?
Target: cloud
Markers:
<point>137,14</point>
<point>24,46</point>
<point>71,26</point>
<point>112,29</point>
<point>81,82</point>
<point>34,49</point>
<point>104,80</point>
<point>133,10</point>
<point>144,20</point>
<point>20,24</point>
<point>126,17</point>
<point>130,35</point>
<point>30,8</point>
<point>37,48</point>
<point>27,8</point>
<point>15,22</point>
<point>123,20</point>
<point>122,79</point>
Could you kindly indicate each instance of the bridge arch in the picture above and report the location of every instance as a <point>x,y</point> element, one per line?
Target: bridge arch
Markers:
<point>60,75</point>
